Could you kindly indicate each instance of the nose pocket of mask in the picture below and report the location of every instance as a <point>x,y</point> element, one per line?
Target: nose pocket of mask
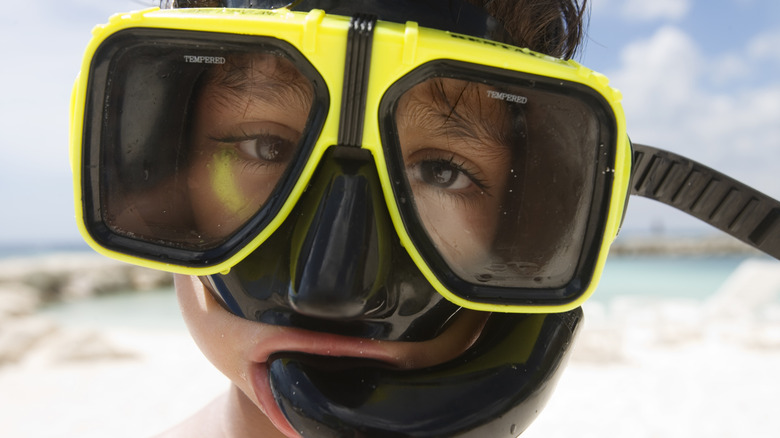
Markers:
<point>340,237</point>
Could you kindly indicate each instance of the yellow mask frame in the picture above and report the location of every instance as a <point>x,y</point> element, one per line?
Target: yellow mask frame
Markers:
<point>404,48</point>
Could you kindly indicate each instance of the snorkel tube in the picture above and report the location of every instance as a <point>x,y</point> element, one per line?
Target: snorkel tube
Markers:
<point>495,389</point>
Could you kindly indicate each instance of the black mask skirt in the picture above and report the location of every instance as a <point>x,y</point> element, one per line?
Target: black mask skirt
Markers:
<point>332,268</point>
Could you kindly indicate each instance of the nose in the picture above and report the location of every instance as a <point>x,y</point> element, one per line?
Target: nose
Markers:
<point>338,272</point>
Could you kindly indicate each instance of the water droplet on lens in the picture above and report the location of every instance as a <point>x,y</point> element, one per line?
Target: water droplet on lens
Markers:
<point>484,277</point>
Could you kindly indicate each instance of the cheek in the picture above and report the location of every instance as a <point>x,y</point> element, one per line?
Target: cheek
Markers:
<point>214,200</point>
<point>202,317</point>
<point>462,234</point>
<point>224,340</point>
<point>223,194</point>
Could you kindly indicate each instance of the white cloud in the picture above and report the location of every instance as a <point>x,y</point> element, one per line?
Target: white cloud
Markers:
<point>658,79</point>
<point>645,10</point>
<point>672,101</point>
<point>720,109</point>
<point>765,46</point>
<point>640,10</point>
<point>729,68</point>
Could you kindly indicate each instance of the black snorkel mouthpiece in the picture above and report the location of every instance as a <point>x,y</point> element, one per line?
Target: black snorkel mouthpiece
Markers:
<point>495,389</point>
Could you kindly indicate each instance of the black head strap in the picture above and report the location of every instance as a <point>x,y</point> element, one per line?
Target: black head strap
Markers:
<point>709,195</point>
<point>457,16</point>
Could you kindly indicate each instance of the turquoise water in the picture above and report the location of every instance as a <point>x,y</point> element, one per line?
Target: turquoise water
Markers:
<point>656,277</point>
<point>10,251</point>
<point>665,277</point>
<point>153,310</point>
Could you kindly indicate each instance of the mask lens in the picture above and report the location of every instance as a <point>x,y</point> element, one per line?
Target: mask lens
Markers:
<point>502,177</point>
<point>197,137</point>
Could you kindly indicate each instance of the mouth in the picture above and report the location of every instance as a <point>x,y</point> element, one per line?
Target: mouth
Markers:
<point>331,353</point>
<point>269,397</point>
<point>262,386</point>
<point>332,350</point>
<point>500,383</point>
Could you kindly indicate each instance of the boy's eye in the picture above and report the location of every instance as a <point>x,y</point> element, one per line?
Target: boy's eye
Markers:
<point>266,148</point>
<point>442,174</point>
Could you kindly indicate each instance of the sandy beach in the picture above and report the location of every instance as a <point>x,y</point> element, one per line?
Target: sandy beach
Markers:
<point>641,368</point>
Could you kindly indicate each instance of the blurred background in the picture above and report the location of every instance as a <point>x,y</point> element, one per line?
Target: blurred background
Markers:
<point>680,340</point>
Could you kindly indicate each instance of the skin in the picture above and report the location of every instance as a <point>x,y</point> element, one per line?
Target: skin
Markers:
<point>457,163</point>
<point>242,142</point>
<point>246,128</point>
<point>248,408</point>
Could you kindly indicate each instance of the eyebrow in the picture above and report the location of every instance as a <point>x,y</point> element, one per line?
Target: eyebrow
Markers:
<point>266,87</point>
<point>442,118</point>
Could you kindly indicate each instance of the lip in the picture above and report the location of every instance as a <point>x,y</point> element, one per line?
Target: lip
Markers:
<point>402,355</point>
<point>451,343</point>
<point>262,387</point>
<point>301,341</point>
<point>500,384</point>
<point>323,344</point>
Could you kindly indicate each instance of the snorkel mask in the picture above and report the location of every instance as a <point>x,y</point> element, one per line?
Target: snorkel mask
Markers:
<point>366,176</point>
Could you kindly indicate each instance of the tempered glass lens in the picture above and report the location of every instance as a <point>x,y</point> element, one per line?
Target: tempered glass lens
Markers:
<point>501,176</point>
<point>197,138</point>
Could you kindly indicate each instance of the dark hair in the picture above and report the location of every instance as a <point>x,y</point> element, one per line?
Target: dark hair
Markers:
<point>554,27</point>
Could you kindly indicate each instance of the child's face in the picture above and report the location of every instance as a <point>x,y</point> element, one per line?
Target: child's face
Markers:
<point>247,123</point>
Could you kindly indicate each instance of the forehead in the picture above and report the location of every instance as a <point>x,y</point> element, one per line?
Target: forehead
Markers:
<point>266,77</point>
<point>453,107</point>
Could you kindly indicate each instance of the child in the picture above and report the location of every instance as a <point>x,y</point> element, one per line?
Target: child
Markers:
<point>379,227</point>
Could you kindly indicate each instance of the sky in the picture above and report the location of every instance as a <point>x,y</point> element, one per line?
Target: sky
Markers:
<point>700,78</point>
